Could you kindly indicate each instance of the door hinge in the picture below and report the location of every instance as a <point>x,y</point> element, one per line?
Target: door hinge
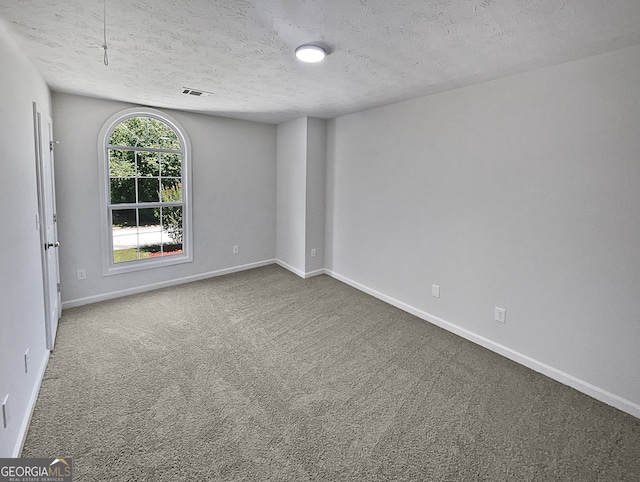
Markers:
<point>58,286</point>
<point>52,144</point>
<point>55,218</point>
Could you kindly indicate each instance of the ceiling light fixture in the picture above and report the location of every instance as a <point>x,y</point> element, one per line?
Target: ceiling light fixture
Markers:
<point>310,53</point>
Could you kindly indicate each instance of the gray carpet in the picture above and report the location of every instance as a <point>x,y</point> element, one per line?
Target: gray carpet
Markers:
<point>261,375</point>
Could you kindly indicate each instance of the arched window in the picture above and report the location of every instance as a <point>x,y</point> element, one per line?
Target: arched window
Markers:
<point>145,190</point>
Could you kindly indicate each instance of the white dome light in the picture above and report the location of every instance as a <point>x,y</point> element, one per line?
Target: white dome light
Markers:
<point>310,53</point>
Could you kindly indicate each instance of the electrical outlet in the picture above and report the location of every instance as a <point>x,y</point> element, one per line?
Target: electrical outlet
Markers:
<point>5,412</point>
<point>235,249</point>
<point>26,361</point>
<point>435,291</point>
<point>500,315</point>
<point>313,252</point>
<point>82,274</point>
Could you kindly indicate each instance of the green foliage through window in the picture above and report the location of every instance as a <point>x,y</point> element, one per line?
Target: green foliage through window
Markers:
<point>145,189</point>
<point>145,132</point>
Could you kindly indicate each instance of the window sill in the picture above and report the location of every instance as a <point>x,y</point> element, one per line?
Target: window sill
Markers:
<point>150,263</point>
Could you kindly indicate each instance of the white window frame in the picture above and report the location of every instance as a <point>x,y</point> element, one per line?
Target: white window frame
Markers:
<point>108,265</point>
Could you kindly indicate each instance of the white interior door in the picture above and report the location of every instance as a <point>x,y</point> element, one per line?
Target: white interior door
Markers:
<point>48,224</point>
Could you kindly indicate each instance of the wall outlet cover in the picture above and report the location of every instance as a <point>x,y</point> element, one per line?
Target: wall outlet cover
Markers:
<point>435,291</point>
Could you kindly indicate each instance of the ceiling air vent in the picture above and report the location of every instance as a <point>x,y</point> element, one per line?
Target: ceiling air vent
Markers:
<point>196,93</point>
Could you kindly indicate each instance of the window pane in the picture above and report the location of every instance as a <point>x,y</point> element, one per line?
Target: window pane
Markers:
<point>163,133</point>
<point>169,246</point>
<point>122,163</point>
<point>172,250</point>
<point>121,136</point>
<point>137,126</point>
<point>123,255</point>
<point>149,217</point>
<point>125,235</point>
<point>123,190</point>
<point>172,223</point>
<point>137,234</point>
<point>148,164</point>
<point>171,190</point>
<point>122,218</point>
<point>148,189</point>
<point>148,142</point>
<point>149,238</point>
<point>170,142</point>
<point>171,165</point>
<point>149,232</point>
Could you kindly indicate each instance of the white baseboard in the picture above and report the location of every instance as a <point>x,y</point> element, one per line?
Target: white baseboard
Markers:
<point>299,272</point>
<point>288,267</point>
<point>582,386</point>
<point>163,284</point>
<point>587,388</point>
<point>318,272</point>
<point>24,428</point>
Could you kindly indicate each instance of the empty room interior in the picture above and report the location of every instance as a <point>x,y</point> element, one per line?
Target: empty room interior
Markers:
<point>411,255</point>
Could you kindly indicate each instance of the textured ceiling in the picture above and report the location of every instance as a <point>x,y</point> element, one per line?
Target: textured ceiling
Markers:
<point>242,51</point>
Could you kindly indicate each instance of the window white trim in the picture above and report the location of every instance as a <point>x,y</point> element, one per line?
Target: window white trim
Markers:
<point>108,266</point>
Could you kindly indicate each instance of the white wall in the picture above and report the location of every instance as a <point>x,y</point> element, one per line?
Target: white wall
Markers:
<point>22,324</point>
<point>301,164</point>
<point>523,193</point>
<point>315,195</point>
<point>291,204</point>
<point>234,198</point>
